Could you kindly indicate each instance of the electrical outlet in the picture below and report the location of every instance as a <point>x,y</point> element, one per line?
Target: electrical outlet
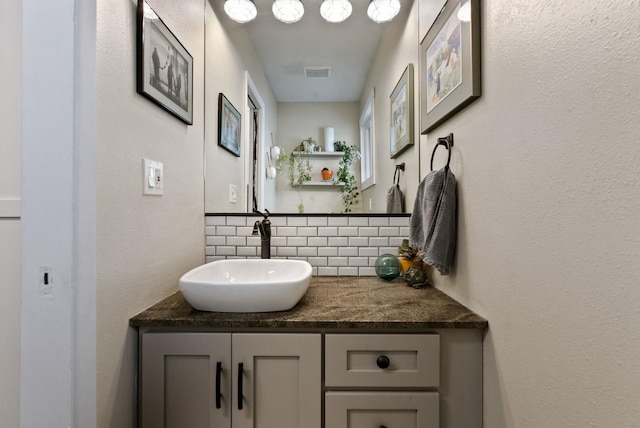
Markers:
<point>233,193</point>
<point>45,288</point>
<point>152,177</point>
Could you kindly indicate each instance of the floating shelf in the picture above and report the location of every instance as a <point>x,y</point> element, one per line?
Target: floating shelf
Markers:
<point>322,183</point>
<point>319,154</point>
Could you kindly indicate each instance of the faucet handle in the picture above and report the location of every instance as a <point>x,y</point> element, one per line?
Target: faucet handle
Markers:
<point>255,210</point>
<point>256,226</point>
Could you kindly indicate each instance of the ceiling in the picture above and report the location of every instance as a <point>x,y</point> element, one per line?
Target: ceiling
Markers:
<point>348,48</point>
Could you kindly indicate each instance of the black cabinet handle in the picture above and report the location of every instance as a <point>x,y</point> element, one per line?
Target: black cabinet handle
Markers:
<point>218,380</point>
<point>383,361</point>
<point>240,373</point>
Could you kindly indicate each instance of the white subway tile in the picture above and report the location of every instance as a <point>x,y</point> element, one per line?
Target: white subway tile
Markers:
<point>307,231</point>
<point>358,221</point>
<point>317,241</point>
<point>327,251</point>
<point>236,220</point>
<point>226,230</point>
<point>244,230</point>
<point>378,242</point>
<point>372,261</point>
<point>316,221</point>
<point>278,241</point>
<point>399,221</point>
<point>339,241</point>
<point>404,232</point>
<point>209,251</point>
<point>358,241</point>
<point>368,252</point>
<point>210,230</point>
<point>358,261</point>
<point>225,251</point>
<point>286,231</point>
<point>297,221</point>
<point>317,261</point>
<point>236,241</point>
<point>395,241</point>
<point>348,231</point>
<point>338,261</point>
<point>210,259</point>
<point>328,231</point>
<point>215,240</point>
<point>254,241</point>
<point>276,221</point>
<point>214,221</point>
<point>367,271</point>
<point>307,251</point>
<point>388,231</point>
<point>327,271</point>
<point>348,251</point>
<point>368,231</point>
<point>378,221</point>
<point>247,251</point>
<point>314,271</point>
<point>347,271</point>
<point>286,251</point>
<point>389,250</point>
<point>338,221</point>
<point>297,241</point>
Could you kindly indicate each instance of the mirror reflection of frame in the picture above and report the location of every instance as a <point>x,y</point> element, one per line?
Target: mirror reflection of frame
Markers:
<point>229,126</point>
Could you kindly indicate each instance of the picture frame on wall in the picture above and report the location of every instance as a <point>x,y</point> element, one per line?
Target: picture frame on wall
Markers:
<point>229,126</point>
<point>402,123</point>
<point>450,63</point>
<point>164,68</point>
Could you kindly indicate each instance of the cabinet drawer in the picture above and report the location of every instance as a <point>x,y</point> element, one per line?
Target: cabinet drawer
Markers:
<point>382,409</point>
<point>360,360</point>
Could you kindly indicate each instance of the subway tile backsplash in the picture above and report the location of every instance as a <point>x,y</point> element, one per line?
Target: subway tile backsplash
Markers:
<point>333,245</point>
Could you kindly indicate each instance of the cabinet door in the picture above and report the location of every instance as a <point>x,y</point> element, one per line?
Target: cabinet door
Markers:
<point>179,375</point>
<point>280,382</point>
<point>381,409</point>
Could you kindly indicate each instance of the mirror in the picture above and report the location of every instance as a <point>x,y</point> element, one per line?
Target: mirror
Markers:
<point>292,81</point>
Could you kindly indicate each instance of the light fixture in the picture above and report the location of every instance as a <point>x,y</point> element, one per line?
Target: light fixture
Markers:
<point>240,11</point>
<point>383,10</point>
<point>335,10</point>
<point>288,11</point>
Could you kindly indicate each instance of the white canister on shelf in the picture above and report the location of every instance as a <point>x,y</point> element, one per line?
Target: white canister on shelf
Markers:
<point>329,139</point>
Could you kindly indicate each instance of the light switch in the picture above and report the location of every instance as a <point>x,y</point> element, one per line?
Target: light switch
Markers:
<point>152,177</point>
<point>233,193</point>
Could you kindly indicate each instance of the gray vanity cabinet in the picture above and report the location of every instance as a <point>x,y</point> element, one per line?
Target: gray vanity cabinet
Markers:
<point>225,380</point>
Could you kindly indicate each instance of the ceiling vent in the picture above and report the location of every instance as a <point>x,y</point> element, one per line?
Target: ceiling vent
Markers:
<point>317,71</point>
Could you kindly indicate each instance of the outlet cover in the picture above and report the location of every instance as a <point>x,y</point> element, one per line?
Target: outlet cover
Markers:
<point>233,193</point>
<point>152,177</point>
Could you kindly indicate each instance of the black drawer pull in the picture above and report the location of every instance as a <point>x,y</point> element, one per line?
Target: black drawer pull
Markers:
<point>240,373</point>
<point>383,361</point>
<point>218,380</point>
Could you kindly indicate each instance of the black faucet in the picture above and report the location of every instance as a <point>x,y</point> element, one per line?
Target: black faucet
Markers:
<point>264,228</point>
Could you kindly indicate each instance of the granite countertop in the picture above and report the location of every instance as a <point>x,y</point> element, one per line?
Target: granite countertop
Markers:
<point>330,303</point>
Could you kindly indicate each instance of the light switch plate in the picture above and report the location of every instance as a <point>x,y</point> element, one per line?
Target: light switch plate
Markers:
<point>233,193</point>
<point>152,177</point>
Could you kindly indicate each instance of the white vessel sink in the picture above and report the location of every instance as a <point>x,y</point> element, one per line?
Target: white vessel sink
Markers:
<point>246,285</point>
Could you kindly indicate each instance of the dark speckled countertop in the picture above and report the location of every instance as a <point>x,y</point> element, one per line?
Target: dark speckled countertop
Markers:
<point>330,303</point>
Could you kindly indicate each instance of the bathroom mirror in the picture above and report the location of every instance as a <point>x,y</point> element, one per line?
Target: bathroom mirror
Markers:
<point>290,82</point>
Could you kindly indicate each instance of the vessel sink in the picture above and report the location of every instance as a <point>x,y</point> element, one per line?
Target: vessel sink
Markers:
<point>246,285</point>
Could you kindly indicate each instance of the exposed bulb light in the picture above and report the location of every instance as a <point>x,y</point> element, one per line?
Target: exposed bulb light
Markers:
<point>335,10</point>
<point>383,10</point>
<point>288,11</point>
<point>464,13</point>
<point>240,11</point>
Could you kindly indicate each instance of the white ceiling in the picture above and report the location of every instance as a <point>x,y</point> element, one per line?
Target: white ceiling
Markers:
<point>284,49</point>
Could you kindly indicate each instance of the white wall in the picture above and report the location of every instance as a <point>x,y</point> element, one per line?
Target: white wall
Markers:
<point>144,243</point>
<point>10,111</point>
<point>548,188</point>
<point>299,121</point>
<point>397,49</point>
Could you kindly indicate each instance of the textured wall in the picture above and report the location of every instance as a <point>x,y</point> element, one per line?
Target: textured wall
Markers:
<point>144,242</point>
<point>549,237</point>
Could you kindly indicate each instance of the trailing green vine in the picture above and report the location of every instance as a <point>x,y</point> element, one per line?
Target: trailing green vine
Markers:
<point>344,177</point>
<point>299,169</point>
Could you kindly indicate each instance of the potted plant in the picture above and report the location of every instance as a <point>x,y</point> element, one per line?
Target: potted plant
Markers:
<point>409,256</point>
<point>299,170</point>
<point>344,177</point>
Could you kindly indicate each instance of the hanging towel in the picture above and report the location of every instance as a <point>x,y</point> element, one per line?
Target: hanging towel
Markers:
<point>433,222</point>
<point>395,198</point>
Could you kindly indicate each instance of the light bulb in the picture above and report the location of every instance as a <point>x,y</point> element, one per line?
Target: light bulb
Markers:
<point>383,10</point>
<point>240,11</point>
<point>335,10</point>
<point>288,11</point>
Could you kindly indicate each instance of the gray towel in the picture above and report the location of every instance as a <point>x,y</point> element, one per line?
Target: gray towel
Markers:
<point>395,200</point>
<point>433,221</point>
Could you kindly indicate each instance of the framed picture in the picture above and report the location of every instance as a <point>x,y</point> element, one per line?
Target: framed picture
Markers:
<point>450,63</point>
<point>402,113</point>
<point>229,126</point>
<point>164,67</point>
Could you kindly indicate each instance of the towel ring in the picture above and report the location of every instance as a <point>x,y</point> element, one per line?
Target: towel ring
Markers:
<point>447,142</point>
